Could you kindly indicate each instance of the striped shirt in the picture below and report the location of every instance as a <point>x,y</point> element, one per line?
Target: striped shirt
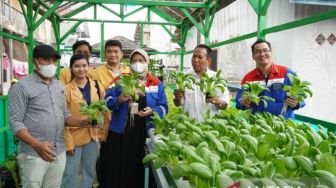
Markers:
<point>41,109</point>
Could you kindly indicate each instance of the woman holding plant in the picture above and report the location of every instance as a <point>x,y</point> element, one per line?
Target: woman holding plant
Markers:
<point>122,153</point>
<point>82,144</point>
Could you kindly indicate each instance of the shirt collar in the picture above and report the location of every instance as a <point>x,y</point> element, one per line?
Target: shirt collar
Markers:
<point>123,68</point>
<point>273,71</point>
<point>195,74</point>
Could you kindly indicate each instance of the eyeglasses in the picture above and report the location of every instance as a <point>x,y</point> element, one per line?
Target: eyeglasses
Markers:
<point>82,52</point>
<point>258,52</point>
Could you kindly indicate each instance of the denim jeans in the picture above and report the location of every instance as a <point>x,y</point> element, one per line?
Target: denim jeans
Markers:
<point>37,173</point>
<point>84,159</point>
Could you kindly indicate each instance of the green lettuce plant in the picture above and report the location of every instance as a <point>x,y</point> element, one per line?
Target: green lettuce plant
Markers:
<point>209,84</point>
<point>94,111</point>
<point>298,90</point>
<point>252,92</point>
<point>182,80</point>
<point>130,84</point>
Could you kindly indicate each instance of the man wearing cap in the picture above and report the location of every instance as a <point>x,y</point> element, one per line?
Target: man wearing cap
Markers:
<point>38,114</point>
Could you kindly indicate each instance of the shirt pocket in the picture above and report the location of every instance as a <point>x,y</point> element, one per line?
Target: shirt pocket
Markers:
<point>59,98</point>
<point>38,98</point>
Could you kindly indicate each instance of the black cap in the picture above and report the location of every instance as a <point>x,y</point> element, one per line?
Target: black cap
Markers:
<point>45,51</point>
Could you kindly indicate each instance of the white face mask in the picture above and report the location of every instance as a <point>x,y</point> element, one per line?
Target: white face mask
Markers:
<point>47,71</point>
<point>139,67</point>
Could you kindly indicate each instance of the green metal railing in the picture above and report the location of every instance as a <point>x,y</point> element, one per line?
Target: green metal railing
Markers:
<point>7,146</point>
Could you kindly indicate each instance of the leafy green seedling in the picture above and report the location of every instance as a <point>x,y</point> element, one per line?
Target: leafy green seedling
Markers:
<point>130,84</point>
<point>94,111</point>
<point>183,81</point>
<point>252,92</point>
<point>298,90</point>
<point>210,84</point>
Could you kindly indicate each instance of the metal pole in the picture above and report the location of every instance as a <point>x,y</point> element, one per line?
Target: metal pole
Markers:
<point>141,35</point>
<point>102,40</point>
<point>58,47</point>
<point>31,42</point>
<point>1,51</point>
<point>11,76</point>
<point>182,58</point>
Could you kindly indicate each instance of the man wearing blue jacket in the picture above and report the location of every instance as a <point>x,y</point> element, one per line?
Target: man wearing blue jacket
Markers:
<point>271,75</point>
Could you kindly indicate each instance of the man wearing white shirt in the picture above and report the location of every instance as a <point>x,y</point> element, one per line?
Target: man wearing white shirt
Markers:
<point>193,100</point>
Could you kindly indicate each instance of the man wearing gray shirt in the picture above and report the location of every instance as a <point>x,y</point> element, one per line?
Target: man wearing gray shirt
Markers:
<point>38,114</point>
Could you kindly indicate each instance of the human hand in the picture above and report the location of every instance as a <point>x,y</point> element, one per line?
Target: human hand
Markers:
<point>86,123</point>
<point>145,112</point>
<point>139,92</point>
<point>292,102</point>
<point>213,100</point>
<point>103,135</point>
<point>178,97</point>
<point>245,102</point>
<point>45,150</point>
<point>178,94</point>
<point>123,98</point>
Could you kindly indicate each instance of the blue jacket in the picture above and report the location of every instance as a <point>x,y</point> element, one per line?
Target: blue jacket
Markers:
<point>277,78</point>
<point>155,97</point>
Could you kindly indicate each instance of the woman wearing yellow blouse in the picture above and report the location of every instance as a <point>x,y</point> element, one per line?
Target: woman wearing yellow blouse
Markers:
<point>82,144</point>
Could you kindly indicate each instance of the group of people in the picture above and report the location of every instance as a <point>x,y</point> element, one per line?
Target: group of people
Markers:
<point>266,73</point>
<point>57,140</point>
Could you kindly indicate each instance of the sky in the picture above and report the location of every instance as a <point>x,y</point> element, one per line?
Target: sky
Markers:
<point>112,29</point>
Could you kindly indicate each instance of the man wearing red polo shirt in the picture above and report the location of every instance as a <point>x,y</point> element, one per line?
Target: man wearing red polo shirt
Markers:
<point>271,75</point>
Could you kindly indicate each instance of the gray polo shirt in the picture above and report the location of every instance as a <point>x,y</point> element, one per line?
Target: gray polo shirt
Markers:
<point>41,109</point>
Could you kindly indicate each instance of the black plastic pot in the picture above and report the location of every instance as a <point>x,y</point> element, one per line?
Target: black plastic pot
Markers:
<point>94,122</point>
<point>207,96</point>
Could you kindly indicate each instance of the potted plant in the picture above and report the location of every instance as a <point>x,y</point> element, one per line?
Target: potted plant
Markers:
<point>252,92</point>
<point>210,84</point>
<point>131,86</point>
<point>183,81</point>
<point>298,90</point>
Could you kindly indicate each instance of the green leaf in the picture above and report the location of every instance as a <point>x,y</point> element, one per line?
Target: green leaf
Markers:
<point>100,119</point>
<point>209,84</point>
<point>262,151</point>
<point>149,157</point>
<point>181,170</point>
<point>327,162</point>
<point>159,162</point>
<point>298,89</point>
<point>325,146</point>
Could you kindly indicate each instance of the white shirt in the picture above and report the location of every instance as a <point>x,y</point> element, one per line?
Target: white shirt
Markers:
<point>194,100</point>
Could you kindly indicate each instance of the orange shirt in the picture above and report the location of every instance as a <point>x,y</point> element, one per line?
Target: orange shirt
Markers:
<point>75,136</point>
